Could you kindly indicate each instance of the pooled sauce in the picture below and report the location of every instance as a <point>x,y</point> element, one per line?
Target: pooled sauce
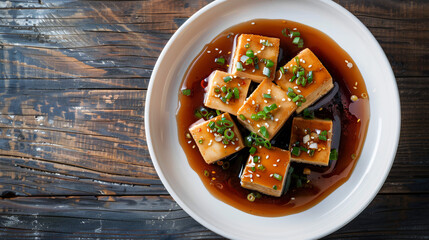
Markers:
<point>350,120</point>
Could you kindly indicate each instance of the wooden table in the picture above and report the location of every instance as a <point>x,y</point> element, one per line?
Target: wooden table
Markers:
<point>73,156</point>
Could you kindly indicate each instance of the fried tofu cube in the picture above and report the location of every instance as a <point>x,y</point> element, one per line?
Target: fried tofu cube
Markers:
<point>215,144</point>
<point>266,95</point>
<point>225,92</point>
<point>255,57</point>
<point>266,171</point>
<point>314,83</point>
<point>310,141</point>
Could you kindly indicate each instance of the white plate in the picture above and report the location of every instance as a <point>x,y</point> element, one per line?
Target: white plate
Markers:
<point>343,204</point>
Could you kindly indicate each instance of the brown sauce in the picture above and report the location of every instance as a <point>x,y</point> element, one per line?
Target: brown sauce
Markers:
<point>350,120</point>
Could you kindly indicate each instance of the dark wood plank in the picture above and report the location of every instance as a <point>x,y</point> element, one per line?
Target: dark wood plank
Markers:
<point>387,217</point>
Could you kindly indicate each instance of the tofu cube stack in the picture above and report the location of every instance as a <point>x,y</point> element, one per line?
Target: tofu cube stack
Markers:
<point>310,141</point>
<point>305,79</point>
<point>225,92</point>
<point>216,138</point>
<point>266,171</point>
<point>299,83</point>
<point>255,57</point>
<point>266,110</point>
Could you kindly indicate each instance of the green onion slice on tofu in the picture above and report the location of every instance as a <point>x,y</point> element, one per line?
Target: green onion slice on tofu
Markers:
<point>264,132</point>
<point>252,150</point>
<point>267,95</point>
<point>227,79</point>
<point>277,176</point>
<point>236,93</point>
<point>250,53</point>
<point>229,134</point>
<point>333,155</point>
<point>239,66</point>
<point>220,61</point>
<point>296,151</point>
<point>251,197</point>
<point>269,63</point>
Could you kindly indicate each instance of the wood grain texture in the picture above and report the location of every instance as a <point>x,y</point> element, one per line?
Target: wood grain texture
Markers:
<point>73,79</point>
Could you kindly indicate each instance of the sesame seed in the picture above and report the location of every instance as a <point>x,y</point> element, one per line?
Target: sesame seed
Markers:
<point>265,101</point>
<point>251,180</point>
<point>259,51</point>
<point>262,48</point>
<point>257,175</point>
<point>354,87</point>
<point>260,146</point>
<point>253,102</point>
<point>320,109</point>
<point>193,146</point>
<point>309,66</point>
<point>292,198</point>
<point>209,51</point>
<point>298,90</point>
<point>229,52</point>
<point>349,65</point>
<point>189,142</point>
<point>233,143</point>
<point>237,148</point>
<point>268,156</point>
<point>253,23</point>
<point>278,160</point>
<point>266,124</point>
<point>295,29</point>
<point>216,49</point>
<point>248,120</point>
<point>271,175</point>
<point>220,51</point>
<point>289,99</point>
<point>235,76</point>
<point>253,70</point>
<point>358,120</point>
<point>210,143</point>
<point>224,146</point>
<point>275,165</point>
<point>277,120</point>
<point>269,90</point>
<point>296,87</point>
<point>248,39</point>
<point>258,125</point>
<point>356,83</point>
<point>239,84</point>
<point>283,99</point>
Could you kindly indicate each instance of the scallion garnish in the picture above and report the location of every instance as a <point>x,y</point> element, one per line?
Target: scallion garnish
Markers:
<point>211,125</point>
<point>252,150</point>
<point>277,176</point>
<point>251,197</point>
<point>247,45</point>
<point>311,153</point>
<point>200,141</point>
<point>310,77</point>
<point>218,112</point>
<point>295,34</point>
<point>275,187</point>
<point>296,40</point>
<point>255,159</point>
<point>220,61</point>
<point>242,117</point>
<point>269,63</point>
<point>227,79</point>
<point>229,134</point>
<point>253,169</point>
<point>229,95</point>
<point>250,53</point>
<point>296,151</point>
<point>206,173</point>
<point>261,167</point>
<point>297,61</point>
<point>186,92</point>
<point>267,95</point>
<point>239,67</point>
<point>223,89</point>
<point>264,132</point>
<point>282,70</point>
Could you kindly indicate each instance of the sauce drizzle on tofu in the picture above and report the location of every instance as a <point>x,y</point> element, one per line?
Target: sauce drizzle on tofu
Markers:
<point>346,105</point>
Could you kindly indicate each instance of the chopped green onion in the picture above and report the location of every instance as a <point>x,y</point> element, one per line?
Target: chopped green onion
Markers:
<point>264,132</point>
<point>218,112</point>
<point>311,153</point>
<point>294,68</point>
<point>333,155</point>
<point>310,77</point>
<point>229,134</point>
<point>236,93</point>
<point>206,173</point>
<point>217,90</point>
<point>256,61</point>
<point>200,141</point>
<point>249,61</point>
<point>225,141</point>
<point>303,149</point>
<point>224,89</point>
<point>272,107</point>
<point>250,53</point>
<point>295,99</point>
<point>254,117</point>
<point>248,141</point>
<point>247,45</point>
<point>266,71</point>
<point>266,43</point>
<point>267,144</point>
<point>282,70</point>
<point>299,104</point>
<point>242,117</point>
<point>284,32</point>
<point>266,110</point>
<point>296,151</point>
<point>308,114</point>
<point>324,133</point>
<point>227,123</point>
<point>239,66</point>
<point>186,92</point>
<point>297,61</point>
<point>261,167</point>
<point>269,63</point>
<point>227,79</point>
<point>322,137</point>
<point>198,114</point>
<point>292,78</point>
<point>251,197</point>
<point>253,169</point>
<point>291,94</point>
<point>301,43</point>
<point>252,150</point>
<point>298,183</point>
<point>220,61</point>
<point>295,34</point>
<point>228,95</point>
<point>275,187</point>
<point>296,40</point>
<point>255,159</point>
<point>277,176</point>
<point>267,95</point>
<point>211,125</point>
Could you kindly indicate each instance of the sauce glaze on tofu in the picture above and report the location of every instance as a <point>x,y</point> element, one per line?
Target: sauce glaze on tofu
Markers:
<point>344,102</point>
